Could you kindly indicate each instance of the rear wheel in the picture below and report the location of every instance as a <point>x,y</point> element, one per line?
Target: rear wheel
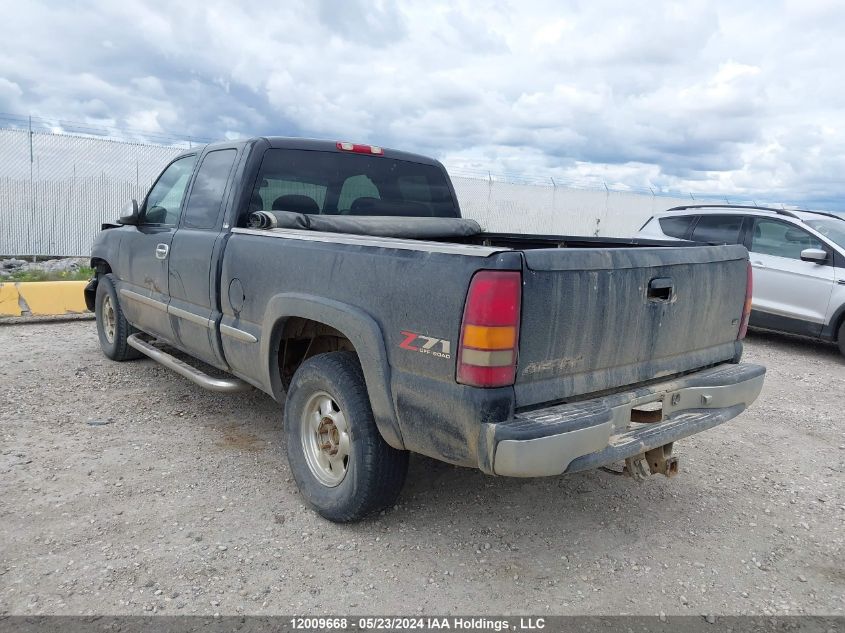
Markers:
<point>343,467</point>
<point>112,327</point>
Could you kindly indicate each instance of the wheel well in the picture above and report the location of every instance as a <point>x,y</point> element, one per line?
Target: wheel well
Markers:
<point>100,265</point>
<point>838,326</point>
<point>303,338</point>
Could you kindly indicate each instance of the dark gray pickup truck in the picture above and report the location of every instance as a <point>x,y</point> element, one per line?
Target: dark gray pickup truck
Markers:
<point>341,280</point>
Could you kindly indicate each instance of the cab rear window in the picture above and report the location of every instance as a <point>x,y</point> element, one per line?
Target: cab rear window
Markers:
<point>339,183</point>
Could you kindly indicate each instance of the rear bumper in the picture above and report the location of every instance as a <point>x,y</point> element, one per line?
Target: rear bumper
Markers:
<point>572,437</point>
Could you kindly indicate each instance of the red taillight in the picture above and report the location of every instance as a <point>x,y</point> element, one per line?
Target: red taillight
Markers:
<point>358,148</point>
<point>490,329</point>
<point>746,309</point>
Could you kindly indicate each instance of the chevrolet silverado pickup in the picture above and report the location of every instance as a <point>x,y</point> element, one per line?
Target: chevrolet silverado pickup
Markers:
<point>341,280</point>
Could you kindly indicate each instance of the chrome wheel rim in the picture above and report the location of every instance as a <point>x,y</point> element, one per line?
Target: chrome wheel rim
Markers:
<point>108,319</point>
<point>324,433</point>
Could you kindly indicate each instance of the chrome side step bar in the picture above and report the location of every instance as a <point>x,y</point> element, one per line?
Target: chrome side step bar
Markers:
<point>222,385</point>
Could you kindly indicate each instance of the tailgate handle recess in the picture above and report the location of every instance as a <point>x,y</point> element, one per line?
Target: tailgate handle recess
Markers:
<point>661,289</point>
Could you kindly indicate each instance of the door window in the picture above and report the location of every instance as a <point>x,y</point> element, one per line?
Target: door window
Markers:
<point>717,229</point>
<point>781,239</point>
<point>165,198</point>
<point>832,228</point>
<point>206,198</point>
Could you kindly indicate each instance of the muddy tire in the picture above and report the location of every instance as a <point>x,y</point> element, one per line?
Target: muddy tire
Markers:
<point>343,467</point>
<point>112,327</point>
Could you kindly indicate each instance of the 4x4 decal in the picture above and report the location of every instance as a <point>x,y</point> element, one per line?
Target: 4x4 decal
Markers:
<point>415,342</point>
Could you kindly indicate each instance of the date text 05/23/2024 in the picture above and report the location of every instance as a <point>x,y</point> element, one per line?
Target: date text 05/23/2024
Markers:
<point>433,623</point>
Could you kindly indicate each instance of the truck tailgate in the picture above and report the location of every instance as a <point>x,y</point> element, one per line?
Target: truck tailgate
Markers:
<point>599,319</point>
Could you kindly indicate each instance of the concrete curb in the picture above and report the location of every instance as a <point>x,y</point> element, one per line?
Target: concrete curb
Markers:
<point>42,298</point>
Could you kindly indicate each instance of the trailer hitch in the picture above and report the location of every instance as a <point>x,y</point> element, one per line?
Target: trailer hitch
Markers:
<point>656,461</point>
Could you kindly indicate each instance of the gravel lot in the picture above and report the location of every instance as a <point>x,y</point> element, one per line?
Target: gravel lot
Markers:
<point>127,490</point>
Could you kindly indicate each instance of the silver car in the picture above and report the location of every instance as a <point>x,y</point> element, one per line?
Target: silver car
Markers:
<point>798,259</point>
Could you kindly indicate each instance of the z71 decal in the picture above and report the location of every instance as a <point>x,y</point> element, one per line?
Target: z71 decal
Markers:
<point>426,344</point>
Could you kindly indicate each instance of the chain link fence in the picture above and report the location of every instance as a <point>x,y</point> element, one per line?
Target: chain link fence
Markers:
<point>57,189</point>
<point>501,206</point>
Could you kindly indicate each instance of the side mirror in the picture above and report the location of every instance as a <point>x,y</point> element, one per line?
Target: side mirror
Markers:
<point>130,213</point>
<point>815,255</point>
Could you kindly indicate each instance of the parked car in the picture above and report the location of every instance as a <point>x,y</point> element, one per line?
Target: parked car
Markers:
<point>798,259</point>
<point>341,280</point>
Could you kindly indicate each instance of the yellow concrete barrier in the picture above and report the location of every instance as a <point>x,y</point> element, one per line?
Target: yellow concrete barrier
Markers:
<point>9,298</point>
<point>42,298</point>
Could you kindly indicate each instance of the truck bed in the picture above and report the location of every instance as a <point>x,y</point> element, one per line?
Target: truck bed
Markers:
<point>592,318</point>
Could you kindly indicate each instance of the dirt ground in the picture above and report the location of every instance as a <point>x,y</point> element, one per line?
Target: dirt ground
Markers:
<point>128,490</point>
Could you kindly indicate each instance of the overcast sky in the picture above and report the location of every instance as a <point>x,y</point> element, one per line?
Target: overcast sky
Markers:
<point>740,98</point>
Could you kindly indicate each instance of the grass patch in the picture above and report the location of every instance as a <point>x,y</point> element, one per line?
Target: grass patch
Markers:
<point>83,274</point>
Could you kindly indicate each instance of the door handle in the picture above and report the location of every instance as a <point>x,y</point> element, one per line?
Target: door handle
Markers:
<point>760,264</point>
<point>661,289</point>
<point>161,251</point>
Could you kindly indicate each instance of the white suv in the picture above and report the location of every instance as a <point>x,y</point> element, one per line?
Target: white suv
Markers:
<point>798,259</point>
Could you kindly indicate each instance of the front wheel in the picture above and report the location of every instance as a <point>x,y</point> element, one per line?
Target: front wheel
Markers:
<point>342,465</point>
<point>112,327</point>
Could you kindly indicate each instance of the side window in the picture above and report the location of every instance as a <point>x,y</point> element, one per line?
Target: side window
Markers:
<point>356,187</point>
<point>717,229</point>
<point>206,198</point>
<point>165,198</point>
<point>676,226</point>
<point>781,239</point>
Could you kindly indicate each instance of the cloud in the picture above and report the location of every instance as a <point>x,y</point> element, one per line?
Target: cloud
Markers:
<point>375,24</point>
<point>10,94</point>
<point>668,95</point>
